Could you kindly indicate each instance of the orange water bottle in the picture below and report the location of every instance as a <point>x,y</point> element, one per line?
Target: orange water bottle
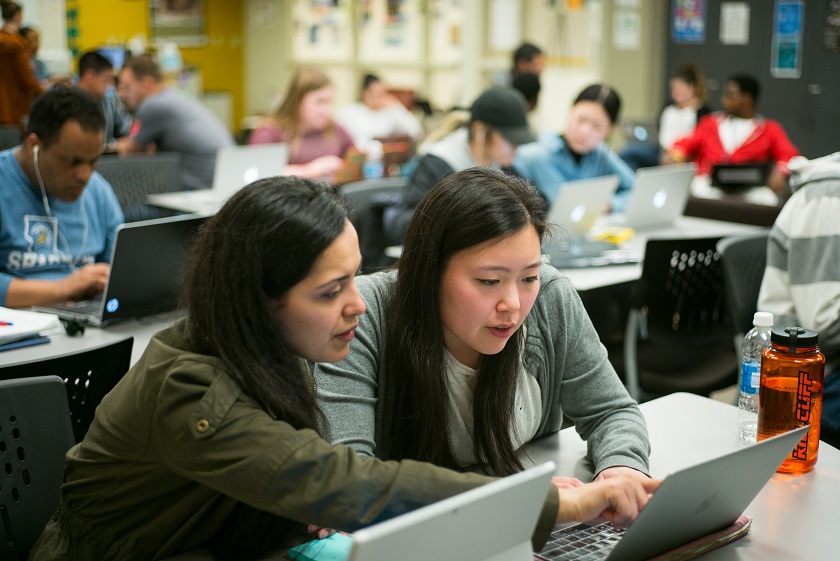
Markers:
<point>790,394</point>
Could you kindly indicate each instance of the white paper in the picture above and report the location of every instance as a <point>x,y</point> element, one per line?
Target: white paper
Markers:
<point>734,23</point>
<point>17,324</point>
<point>626,30</point>
<point>504,25</point>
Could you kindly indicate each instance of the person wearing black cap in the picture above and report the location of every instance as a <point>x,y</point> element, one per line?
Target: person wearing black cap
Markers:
<point>581,152</point>
<point>497,126</point>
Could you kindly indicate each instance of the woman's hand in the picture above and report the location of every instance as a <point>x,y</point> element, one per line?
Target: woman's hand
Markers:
<point>563,482</point>
<point>322,533</point>
<point>617,499</point>
<point>620,470</point>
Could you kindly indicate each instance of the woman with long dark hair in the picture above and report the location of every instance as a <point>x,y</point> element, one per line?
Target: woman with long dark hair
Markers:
<point>473,347</point>
<point>212,440</point>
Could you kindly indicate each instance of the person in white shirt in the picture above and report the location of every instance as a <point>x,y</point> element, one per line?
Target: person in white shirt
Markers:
<point>379,115</point>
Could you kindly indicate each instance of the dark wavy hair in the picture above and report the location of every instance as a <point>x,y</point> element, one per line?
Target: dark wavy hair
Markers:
<point>461,211</point>
<point>261,243</point>
<point>60,104</point>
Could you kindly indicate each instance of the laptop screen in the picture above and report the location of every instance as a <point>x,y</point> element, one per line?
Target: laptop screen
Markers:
<point>735,178</point>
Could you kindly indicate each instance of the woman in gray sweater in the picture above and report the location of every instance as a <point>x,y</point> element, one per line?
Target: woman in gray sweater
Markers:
<point>473,347</point>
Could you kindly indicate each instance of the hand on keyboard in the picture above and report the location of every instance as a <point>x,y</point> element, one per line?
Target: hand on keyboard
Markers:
<point>86,282</point>
<point>616,499</point>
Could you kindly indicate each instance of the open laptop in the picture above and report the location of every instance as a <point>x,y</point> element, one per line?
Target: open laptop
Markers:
<point>579,203</point>
<point>737,178</point>
<point>690,504</point>
<point>236,167</point>
<point>145,272</point>
<point>658,196</point>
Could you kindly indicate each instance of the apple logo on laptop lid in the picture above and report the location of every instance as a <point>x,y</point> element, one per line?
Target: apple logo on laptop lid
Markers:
<point>577,213</point>
<point>251,174</point>
<point>659,198</point>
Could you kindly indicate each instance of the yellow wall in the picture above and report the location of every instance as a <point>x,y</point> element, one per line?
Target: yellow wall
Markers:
<point>220,60</point>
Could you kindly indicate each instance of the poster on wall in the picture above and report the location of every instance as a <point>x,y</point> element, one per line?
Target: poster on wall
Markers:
<point>179,21</point>
<point>786,50</point>
<point>322,31</point>
<point>734,23</point>
<point>688,21</point>
<point>831,31</point>
<point>391,31</point>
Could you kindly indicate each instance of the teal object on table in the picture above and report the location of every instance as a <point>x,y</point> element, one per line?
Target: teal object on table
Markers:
<point>334,548</point>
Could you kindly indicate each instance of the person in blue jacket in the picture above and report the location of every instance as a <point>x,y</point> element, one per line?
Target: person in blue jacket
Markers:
<point>581,152</point>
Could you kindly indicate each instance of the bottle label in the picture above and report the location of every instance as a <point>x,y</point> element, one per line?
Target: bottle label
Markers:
<point>750,377</point>
<point>803,413</point>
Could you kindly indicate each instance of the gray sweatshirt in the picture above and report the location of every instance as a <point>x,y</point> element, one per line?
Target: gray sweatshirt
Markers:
<point>562,351</point>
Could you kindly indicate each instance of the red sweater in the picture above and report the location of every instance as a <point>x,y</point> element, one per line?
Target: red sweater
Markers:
<point>18,84</point>
<point>767,143</point>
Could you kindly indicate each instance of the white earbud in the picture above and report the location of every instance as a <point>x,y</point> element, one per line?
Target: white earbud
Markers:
<point>35,154</point>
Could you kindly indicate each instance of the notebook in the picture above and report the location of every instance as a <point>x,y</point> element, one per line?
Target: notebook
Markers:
<point>579,203</point>
<point>658,196</point>
<point>689,505</point>
<point>493,522</point>
<point>737,178</point>
<point>145,272</point>
<point>236,167</point>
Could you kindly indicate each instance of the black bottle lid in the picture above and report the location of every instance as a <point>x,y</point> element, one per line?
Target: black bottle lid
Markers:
<point>794,338</point>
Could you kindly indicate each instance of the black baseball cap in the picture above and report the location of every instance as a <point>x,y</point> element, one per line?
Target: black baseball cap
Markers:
<point>503,108</point>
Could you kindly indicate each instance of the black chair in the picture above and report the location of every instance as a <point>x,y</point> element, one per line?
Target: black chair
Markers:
<point>137,176</point>
<point>88,376</point>
<point>743,258</point>
<point>367,199</point>
<point>678,337</point>
<point>9,137</point>
<point>35,434</point>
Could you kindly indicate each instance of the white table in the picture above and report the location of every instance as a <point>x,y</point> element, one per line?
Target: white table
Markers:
<point>62,344</point>
<point>794,516</point>
<point>589,278</point>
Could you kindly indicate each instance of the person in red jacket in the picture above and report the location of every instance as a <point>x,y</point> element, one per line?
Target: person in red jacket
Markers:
<point>737,135</point>
<point>18,84</point>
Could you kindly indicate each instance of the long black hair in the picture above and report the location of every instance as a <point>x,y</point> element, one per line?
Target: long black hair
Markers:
<point>461,211</point>
<point>261,243</point>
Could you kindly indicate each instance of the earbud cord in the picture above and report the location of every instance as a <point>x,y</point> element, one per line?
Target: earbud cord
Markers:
<point>49,213</point>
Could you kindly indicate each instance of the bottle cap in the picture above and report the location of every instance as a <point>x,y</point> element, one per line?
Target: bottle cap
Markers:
<point>763,319</point>
<point>794,338</point>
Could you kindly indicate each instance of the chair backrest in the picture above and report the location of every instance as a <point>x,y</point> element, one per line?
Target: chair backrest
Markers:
<point>743,259</point>
<point>35,434</point>
<point>88,376</point>
<point>136,176</point>
<point>682,288</point>
<point>366,204</point>
<point>9,137</point>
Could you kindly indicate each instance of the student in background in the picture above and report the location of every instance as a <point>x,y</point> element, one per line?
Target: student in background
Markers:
<point>96,77</point>
<point>212,440</point>
<point>801,284</point>
<point>497,125</point>
<point>678,118</point>
<point>168,120</point>
<point>581,152</point>
<point>527,57</point>
<point>18,83</point>
<point>737,135</point>
<point>58,217</point>
<point>304,120</point>
<point>473,347</point>
<point>33,39</point>
<point>528,85</point>
<point>378,116</point>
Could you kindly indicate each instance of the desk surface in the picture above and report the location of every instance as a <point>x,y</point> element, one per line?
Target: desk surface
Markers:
<point>794,516</point>
<point>95,337</point>
<point>589,278</point>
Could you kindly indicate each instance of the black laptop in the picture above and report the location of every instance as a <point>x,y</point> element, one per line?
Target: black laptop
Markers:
<point>145,272</point>
<point>737,178</point>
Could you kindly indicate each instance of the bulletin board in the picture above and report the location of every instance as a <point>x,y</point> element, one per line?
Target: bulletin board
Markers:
<point>322,31</point>
<point>390,31</point>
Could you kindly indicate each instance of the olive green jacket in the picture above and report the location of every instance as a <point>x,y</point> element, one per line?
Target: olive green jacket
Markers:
<point>177,444</point>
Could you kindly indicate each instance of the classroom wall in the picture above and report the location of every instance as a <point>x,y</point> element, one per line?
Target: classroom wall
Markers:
<point>220,61</point>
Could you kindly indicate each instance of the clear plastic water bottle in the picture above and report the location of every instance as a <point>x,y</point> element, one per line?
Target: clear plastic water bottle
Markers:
<point>756,340</point>
<point>373,166</point>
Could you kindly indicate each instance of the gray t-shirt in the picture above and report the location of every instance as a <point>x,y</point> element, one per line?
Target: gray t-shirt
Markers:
<point>176,122</point>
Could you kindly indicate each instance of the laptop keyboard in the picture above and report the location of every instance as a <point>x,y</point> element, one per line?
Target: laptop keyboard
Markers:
<point>581,542</point>
<point>89,307</point>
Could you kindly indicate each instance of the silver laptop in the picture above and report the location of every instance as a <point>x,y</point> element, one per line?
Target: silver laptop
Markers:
<point>658,196</point>
<point>579,203</point>
<point>145,272</point>
<point>493,522</point>
<point>236,167</point>
<point>690,504</point>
